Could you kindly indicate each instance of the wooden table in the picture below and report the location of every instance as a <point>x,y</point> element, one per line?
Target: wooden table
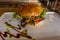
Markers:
<point>7,9</point>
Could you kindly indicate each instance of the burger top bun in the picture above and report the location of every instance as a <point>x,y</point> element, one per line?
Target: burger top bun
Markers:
<point>29,9</point>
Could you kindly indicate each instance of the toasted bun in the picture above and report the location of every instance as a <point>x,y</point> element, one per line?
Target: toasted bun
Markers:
<point>29,9</point>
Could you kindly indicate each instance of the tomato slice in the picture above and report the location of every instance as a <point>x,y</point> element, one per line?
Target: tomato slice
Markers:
<point>38,20</point>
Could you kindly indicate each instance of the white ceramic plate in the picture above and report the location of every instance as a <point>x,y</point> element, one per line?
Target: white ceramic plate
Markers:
<point>50,27</point>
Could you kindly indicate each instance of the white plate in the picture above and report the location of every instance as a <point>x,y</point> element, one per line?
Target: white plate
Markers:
<point>50,27</point>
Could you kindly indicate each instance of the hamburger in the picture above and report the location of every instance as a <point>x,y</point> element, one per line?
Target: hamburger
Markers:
<point>31,13</point>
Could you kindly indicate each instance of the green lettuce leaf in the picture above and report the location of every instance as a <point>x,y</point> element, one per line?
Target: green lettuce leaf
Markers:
<point>43,14</point>
<point>15,15</point>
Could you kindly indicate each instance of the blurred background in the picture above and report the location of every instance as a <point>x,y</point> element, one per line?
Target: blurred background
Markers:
<point>10,5</point>
<point>52,5</point>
